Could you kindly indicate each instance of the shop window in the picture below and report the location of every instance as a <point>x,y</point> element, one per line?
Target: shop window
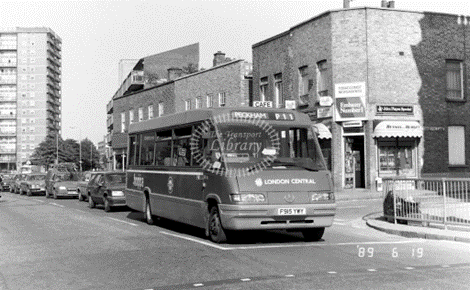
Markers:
<point>456,139</point>
<point>396,157</point>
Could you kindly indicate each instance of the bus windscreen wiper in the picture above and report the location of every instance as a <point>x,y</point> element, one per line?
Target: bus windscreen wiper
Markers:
<point>286,163</point>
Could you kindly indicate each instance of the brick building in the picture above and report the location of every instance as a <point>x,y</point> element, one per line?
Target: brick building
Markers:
<point>386,88</point>
<point>227,83</point>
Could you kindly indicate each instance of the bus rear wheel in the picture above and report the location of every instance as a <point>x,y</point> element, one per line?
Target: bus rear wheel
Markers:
<point>216,231</point>
<point>313,235</point>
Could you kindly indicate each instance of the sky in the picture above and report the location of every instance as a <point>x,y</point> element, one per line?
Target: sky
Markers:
<point>97,34</point>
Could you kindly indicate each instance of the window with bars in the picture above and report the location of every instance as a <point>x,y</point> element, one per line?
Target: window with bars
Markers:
<point>278,100</point>
<point>222,99</point>
<point>454,80</point>
<point>263,89</point>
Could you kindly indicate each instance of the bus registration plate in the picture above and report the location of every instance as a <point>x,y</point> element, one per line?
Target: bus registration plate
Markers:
<point>291,211</point>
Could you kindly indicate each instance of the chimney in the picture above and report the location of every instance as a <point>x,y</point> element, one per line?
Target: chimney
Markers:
<point>219,58</point>
<point>174,72</point>
<point>346,3</point>
<point>388,4</point>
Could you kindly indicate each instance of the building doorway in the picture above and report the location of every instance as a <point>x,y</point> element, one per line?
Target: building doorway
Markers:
<point>354,162</point>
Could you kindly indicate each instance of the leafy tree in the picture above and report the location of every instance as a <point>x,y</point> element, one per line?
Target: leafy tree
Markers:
<point>90,156</point>
<point>46,153</point>
<point>190,68</point>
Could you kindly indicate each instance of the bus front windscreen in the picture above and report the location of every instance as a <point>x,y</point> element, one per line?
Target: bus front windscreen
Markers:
<point>241,145</point>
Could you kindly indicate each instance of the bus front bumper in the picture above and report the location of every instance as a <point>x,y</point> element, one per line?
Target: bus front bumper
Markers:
<point>258,217</point>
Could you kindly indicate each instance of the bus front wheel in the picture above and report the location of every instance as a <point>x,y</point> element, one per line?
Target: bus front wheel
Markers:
<point>313,235</point>
<point>216,231</point>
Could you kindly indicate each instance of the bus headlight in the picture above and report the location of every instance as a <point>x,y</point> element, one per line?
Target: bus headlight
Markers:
<point>248,197</point>
<point>320,196</point>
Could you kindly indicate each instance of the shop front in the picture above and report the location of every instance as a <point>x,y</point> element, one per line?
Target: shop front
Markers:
<point>397,148</point>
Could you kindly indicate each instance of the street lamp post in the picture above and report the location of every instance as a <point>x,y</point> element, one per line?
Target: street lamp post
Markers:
<point>57,147</point>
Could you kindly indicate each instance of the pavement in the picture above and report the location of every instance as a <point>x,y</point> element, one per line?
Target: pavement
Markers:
<point>411,230</point>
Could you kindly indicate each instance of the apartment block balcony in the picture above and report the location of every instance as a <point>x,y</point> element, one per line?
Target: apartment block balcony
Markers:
<point>7,151</point>
<point>8,116</point>
<point>134,82</point>
<point>7,158</point>
<point>11,63</point>
<point>7,80</point>
<point>4,133</point>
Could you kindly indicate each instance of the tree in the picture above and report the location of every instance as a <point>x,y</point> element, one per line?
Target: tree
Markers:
<point>90,155</point>
<point>151,78</point>
<point>190,68</point>
<point>46,153</point>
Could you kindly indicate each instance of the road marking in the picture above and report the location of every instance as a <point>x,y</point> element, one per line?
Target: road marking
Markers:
<point>245,279</point>
<point>59,205</point>
<point>118,220</point>
<point>312,244</point>
<point>39,200</point>
<point>332,272</point>
<point>290,275</point>
<point>409,268</point>
<point>198,285</point>
<point>372,270</point>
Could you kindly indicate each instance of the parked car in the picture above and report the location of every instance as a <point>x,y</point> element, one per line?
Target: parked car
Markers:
<point>107,188</point>
<point>34,183</point>
<point>6,180</point>
<point>62,184</point>
<point>15,184</point>
<point>82,186</point>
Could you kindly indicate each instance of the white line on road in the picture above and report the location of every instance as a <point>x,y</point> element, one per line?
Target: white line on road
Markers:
<point>118,220</point>
<point>314,244</point>
<point>39,200</point>
<point>59,205</point>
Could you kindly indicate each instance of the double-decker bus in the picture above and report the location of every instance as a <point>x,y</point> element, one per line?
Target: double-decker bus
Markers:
<point>229,169</point>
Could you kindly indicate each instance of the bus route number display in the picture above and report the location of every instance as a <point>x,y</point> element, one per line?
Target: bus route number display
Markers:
<point>263,115</point>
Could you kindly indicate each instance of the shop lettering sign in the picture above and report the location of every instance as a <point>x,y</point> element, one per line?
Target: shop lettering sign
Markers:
<point>394,110</point>
<point>350,101</point>
<point>324,112</point>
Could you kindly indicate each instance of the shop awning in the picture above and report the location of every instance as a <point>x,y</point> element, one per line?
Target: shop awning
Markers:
<point>323,131</point>
<point>411,129</point>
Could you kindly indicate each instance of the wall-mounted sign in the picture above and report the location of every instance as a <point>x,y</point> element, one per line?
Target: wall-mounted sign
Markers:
<point>291,104</point>
<point>262,104</point>
<point>350,101</point>
<point>325,112</point>
<point>351,124</point>
<point>394,110</point>
<point>326,101</point>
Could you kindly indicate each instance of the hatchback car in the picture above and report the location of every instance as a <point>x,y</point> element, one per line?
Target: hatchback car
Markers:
<point>6,180</point>
<point>82,186</point>
<point>107,188</point>
<point>33,184</point>
<point>15,183</point>
<point>63,184</point>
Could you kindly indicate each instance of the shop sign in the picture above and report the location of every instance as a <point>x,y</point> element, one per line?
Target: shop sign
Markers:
<point>326,101</point>
<point>351,124</point>
<point>312,115</point>
<point>325,112</point>
<point>394,110</point>
<point>291,104</point>
<point>262,104</point>
<point>350,101</point>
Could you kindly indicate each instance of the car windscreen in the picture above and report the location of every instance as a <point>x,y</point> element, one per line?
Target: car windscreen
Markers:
<point>69,177</point>
<point>36,177</point>
<point>115,178</point>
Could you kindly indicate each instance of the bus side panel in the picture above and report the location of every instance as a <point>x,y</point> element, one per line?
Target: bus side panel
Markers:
<point>182,203</point>
<point>134,194</point>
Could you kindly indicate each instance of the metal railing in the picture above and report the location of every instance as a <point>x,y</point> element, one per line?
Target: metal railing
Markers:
<point>427,200</point>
